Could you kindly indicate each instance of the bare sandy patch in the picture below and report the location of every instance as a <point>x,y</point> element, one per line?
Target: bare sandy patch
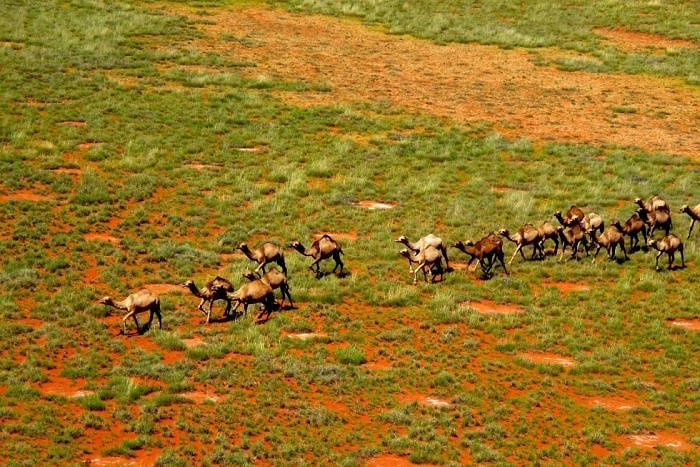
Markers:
<point>615,403</point>
<point>75,123</point>
<point>163,288</point>
<point>307,336</point>
<point>377,364</point>
<point>336,235</point>
<point>487,307</point>
<point>87,145</point>
<point>67,170</point>
<point>24,195</point>
<point>374,205</point>
<point>548,358</point>
<point>65,387</point>
<point>390,460</point>
<point>193,342</point>
<point>200,166</point>
<point>101,237</point>
<point>568,287</point>
<point>635,40</point>
<point>200,397</point>
<point>428,401</point>
<point>652,440</point>
<point>689,324</point>
<point>469,83</point>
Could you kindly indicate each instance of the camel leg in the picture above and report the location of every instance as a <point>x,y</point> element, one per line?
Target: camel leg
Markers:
<point>501,258</point>
<point>671,257</point>
<point>519,249</point>
<point>201,307</point>
<point>338,262</point>
<point>682,258</point>
<point>285,291</point>
<point>657,259</point>
<point>443,250</point>
<point>282,264</point>
<point>692,223</point>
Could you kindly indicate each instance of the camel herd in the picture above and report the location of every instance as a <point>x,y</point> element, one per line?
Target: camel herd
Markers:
<point>576,230</point>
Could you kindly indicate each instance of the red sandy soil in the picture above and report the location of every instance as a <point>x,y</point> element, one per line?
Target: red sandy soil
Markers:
<point>66,170</point>
<point>304,336</point>
<point>609,402</point>
<point>73,123</point>
<point>336,235</point>
<point>568,287</point>
<point>427,401</point>
<point>193,342</point>
<point>634,40</point>
<point>372,205</point>
<point>548,358</point>
<point>650,441</point>
<point>391,460</point>
<point>377,364</point>
<point>24,195</point>
<point>488,307</point>
<point>689,324</point>
<point>66,387</point>
<point>198,166</point>
<point>200,397</point>
<point>163,288</point>
<point>469,83</point>
<point>102,237</point>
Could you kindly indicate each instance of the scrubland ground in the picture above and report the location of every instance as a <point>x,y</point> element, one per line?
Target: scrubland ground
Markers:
<point>141,143</point>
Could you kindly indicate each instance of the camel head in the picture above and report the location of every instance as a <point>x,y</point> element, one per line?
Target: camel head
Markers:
<point>458,244</point>
<point>405,253</point>
<point>296,245</point>
<point>504,232</point>
<point>468,243</point>
<point>638,201</point>
<point>242,247</point>
<point>105,301</point>
<point>651,243</point>
<point>188,284</point>
<point>685,208</point>
<point>557,214</point>
<point>250,275</point>
<point>401,239</point>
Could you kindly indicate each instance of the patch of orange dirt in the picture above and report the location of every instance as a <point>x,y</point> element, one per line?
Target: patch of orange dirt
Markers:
<point>76,123</point>
<point>24,195</point>
<point>66,170</point>
<point>142,458</point>
<point>100,237</point>
<point>548,358</point>
<point>201,397</point>
<point>427,401</point>
<point>635,40</point>
<point>305,336</point>
<point>615,403</point>
<point>650,441</point>
<point>336,235</point>
<point>193,342</point>
<point>488,307</point>
<point>390,460</point>
<point>469,83</point>
<point>689,324</point>
<point>373,205</point>
<point>66,387</point>
<point>378,364</point>
<point>87,145</point>
<point>163,288</point>
<point>568,287</point>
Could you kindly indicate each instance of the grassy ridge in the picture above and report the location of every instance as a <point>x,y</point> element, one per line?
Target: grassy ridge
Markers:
<point>536,24</point>
<point>120,79</point>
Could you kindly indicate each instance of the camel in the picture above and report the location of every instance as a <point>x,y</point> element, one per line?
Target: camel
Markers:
<point>267,253</point>
<point>633,227</point>
<point>549,231</point>
<point>139,302</point>
<point>322,248</point>
<point>573,211</point>
<point>694,213</point>
<point>669,245</point>
<point>215,289</point>
<point>526,235</point>
<point>573,237</point>
<point>610,239</point>
<point>484,252</point>
<point>423,242</point>
<point>427,259</point>
<point>276,280</point>
<point>659,218</point>
<point>255,291</point>
<point>655,203</point>
<point>575,215</point>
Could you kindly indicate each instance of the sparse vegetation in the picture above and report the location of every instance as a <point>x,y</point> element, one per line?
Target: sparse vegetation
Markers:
<point>161,146</point>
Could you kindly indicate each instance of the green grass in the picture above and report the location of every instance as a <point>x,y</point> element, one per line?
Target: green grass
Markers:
<point>538,24</point>
<point>286,401</point>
